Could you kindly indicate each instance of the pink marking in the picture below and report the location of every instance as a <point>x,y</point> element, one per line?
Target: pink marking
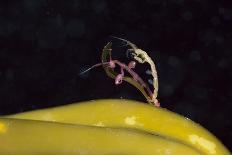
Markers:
<point>118,79</point>
<point>132,64</point>
<point>112,64</point>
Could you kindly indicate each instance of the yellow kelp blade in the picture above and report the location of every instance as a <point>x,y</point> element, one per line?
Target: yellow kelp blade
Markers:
<point>131,114</point>
<point>28,137</point>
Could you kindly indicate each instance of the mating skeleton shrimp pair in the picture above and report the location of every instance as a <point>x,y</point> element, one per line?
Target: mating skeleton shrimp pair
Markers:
<point>141,57</point>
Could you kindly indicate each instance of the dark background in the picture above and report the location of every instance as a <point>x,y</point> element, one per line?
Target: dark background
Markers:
<point>44,44</point>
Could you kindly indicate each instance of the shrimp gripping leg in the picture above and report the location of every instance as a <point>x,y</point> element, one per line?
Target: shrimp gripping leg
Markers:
<point>142,57</point>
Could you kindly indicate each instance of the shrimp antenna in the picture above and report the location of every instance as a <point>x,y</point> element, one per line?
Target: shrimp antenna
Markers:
<point>127,42</point>
<point>94,66</point>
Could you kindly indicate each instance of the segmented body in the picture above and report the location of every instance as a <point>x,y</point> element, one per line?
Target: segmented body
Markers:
<point>142,57</point>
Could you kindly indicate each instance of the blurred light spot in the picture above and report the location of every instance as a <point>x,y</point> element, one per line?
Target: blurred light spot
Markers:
<point>99,6</point>
<point>179,1</point>
<point>100,123</point>
<point>33,7</point>
<point>3,127</point>
<point>195,56</point>
<point>173,61</point>
<point>130,120</point>
<point>226,13</point>
<point>215,21</point>
<point>168,152</point>
<point>148,72</point>
<point>75,28</point>
<point>76,4</point>
<point>204,143</point>
<point>28,32</point>
<point>219,39</point>
<point>48,117</point>
<point>167,90</point>
<point>223,63</point>
<point>9,74</point>
<point>187,16</point>
<point>8,27</point>
<point>150,81</point>
<point>51,34</point>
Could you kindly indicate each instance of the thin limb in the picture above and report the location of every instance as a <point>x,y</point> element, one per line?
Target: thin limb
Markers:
<point>134,47</point>
<point>142,57</point>
<point>135,76</point>
<point>94,66</point>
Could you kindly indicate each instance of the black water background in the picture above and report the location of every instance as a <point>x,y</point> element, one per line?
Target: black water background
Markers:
<point>44,44</point>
